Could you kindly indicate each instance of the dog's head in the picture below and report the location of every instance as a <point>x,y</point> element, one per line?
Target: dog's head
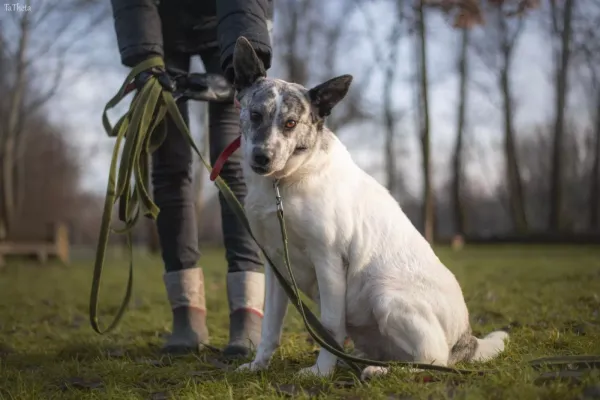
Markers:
<point>280,121</point>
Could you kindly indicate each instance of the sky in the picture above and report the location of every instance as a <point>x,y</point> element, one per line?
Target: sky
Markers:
<point>79,104</point>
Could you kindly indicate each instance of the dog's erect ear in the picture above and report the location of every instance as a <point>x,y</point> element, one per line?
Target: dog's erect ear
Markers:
<point>326,95</point>
<point>246,64</point>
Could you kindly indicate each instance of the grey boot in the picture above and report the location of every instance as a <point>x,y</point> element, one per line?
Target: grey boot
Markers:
<point>185,290</point>
<point>246,295</point>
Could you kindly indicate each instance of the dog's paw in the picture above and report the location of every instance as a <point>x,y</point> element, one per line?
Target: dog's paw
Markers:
<point>371,372</point>
<point>252,366</point>
<point>315,371</point>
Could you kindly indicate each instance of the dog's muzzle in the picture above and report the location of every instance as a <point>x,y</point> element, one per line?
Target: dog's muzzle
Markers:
<point>261,160</point>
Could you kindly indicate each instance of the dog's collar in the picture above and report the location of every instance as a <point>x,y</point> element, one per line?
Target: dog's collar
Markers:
<point>229,150</point>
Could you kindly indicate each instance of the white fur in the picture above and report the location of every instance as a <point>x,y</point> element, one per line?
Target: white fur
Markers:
<point>490,346</point>
<point>355,252</point>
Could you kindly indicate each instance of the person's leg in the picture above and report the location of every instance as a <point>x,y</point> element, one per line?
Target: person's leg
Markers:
<point>245,279</point>
<point>177,230</point>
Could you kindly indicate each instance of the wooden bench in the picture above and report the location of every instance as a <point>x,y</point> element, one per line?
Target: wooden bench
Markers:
<point>56,247</point>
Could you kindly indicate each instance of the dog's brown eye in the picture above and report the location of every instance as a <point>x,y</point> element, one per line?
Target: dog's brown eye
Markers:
<point>290,123</point>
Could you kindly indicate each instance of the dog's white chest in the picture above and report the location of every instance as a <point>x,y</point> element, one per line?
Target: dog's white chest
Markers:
<point>261,210</point>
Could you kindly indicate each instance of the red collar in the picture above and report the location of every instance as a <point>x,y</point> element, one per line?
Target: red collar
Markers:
<point>229,150</point>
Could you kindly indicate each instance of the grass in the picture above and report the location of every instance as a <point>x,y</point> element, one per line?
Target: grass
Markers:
<point>549,297</point>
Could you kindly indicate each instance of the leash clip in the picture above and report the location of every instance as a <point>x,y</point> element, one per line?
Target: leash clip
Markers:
<point>278,198</point>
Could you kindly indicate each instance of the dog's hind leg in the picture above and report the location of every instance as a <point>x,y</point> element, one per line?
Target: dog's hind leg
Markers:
<point>414,332</point>
<point>425,350</point>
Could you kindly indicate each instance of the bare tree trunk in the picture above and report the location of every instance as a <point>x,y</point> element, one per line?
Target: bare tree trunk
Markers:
<point>457,163</point>
<point>390,133</point>
<point>389,118</point>
<point>3,84</point>
<point>562,70</point>
<point>19,163</point>
<point>428,195</point>
<point>595,184</point>
<point>296,67</point>
<point>3,222</point>
<point>513,173</point>
<point>14,114</point>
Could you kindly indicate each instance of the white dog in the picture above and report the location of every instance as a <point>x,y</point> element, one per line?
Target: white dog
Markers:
<point>353,250</point>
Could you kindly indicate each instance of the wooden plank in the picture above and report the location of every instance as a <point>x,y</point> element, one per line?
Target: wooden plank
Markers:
<point>61,243</point>
<point>57,246</point>
<point>15,247</point>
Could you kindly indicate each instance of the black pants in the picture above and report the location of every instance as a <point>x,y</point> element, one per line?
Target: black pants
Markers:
<point>173,190</point>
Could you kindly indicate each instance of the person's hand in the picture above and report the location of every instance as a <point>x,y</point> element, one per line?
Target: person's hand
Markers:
<point>204,87</point>
<point>161,75</point>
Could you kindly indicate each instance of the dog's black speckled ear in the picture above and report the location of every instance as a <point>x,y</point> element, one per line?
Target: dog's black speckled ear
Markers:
<point>326,95</point>
<point>246,65</point>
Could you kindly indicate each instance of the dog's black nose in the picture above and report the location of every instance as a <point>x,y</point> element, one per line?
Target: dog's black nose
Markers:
<point>261,158</point>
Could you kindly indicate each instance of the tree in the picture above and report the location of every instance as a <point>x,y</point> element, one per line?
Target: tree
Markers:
<point>465,15</point>
<point>586,55</point>
<point>8,147</point>
<point>505,21</point>
<point>457,157</point>
<point>428,210</point>
<point>594,202</point>
<point>561,18</point>
<point>389,114</point>
<point>308,42</point>
<point>388,64</point>
<point>44,37</point>
<point>53,170</point>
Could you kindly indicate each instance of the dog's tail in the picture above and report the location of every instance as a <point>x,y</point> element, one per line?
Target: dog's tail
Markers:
<point>490,346</point>
<point>471,348</point>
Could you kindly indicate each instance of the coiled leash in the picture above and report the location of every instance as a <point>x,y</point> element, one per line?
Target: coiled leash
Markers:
<point>143,131</point>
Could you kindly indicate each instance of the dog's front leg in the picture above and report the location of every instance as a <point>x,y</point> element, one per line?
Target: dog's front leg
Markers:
<point>331,279</point>
<point>276,302</point>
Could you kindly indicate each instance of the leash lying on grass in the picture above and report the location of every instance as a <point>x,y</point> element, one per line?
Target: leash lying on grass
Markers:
<point>143,133</point>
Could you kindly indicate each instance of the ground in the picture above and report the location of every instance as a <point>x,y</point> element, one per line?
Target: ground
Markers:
<point>548,297</point>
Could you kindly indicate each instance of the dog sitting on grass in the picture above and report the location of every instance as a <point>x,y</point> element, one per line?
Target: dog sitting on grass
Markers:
<point>352,248</point>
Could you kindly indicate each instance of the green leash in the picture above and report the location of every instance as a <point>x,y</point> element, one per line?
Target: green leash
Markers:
<point>142,131</point>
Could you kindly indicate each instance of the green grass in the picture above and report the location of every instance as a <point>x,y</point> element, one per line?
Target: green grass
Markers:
<point>549,296</point>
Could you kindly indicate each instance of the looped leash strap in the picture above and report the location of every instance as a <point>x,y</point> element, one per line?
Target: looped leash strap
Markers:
<point>142,129</point>
<point>138,128</point>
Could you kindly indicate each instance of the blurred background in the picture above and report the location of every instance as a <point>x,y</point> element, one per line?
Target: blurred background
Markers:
<point>482,118</point>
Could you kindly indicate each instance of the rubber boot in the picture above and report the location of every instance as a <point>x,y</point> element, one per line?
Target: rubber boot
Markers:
<point>246,295</point>
<point>185,291</point>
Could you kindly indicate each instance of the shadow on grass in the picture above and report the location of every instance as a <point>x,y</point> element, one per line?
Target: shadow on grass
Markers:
<point>137,353</point>
<point>83,366</point>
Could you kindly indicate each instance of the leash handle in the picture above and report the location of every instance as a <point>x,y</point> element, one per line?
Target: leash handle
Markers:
<point>130,127</point>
